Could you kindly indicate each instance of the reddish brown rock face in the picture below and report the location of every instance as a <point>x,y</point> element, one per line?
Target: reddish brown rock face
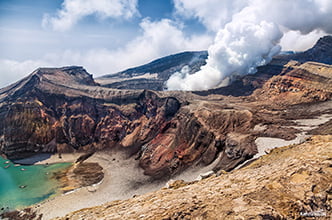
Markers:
<point>179,144</point>
<point>303,83</point>
<point>82,124</point>
<point>167,137</point>
<point>26,127</point>
<point>64,110</point>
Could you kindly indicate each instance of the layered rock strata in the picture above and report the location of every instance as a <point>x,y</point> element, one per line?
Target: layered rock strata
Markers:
<point>61,110</point>
<point>292,182</point>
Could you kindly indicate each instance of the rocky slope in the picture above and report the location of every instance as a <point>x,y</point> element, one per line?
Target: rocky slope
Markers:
<point>65,110</point>
<point>320,52</point>
<point>316,60</point>
<point>293,182</point>
<point>154,74</point>
<point>61,110</point>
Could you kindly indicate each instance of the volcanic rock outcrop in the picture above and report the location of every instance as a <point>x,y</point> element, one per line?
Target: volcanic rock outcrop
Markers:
<point>61,110</point>
<point>65,110</point>
<point>293,182</point>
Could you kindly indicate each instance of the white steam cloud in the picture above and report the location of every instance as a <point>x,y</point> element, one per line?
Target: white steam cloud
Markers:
<point>248,36</point>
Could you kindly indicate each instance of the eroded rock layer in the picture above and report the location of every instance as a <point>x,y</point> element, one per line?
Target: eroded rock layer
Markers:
<point>293,182</point>
<point>65,110</point>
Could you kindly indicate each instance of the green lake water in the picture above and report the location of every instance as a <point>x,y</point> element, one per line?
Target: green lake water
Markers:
<point>22,186</point>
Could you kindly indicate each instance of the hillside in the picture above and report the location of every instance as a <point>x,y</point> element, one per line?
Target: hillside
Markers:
<point>161,135</point>
<point>65,110</point>
<point>154,74</point>
<point>292,182</point>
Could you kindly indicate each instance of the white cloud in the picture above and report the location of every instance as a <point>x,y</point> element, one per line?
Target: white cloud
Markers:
<point>214,14</point>
<point>295,41</point>
<point>12,70</point>
<point>297,15</point>
<point>74,10</point>
<point>162,38</point>
<point>157,39</point>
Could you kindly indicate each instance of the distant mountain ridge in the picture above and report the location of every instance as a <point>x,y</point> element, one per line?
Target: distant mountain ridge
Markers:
<point>165,133</point>
<point>321,52</point>
<point>155,74</point>
<point>66,110</point>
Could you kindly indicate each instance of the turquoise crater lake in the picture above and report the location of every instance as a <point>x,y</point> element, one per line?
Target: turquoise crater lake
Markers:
<point>22,186</point>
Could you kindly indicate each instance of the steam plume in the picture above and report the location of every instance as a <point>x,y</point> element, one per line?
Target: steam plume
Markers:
<point>251,39</point>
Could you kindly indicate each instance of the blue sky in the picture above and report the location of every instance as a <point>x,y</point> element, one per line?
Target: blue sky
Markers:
<point>106,36</point>
<point>101,41</point>
<point>22,34</point>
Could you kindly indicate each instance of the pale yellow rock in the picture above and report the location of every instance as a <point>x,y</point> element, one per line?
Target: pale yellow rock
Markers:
<point>280,185</point>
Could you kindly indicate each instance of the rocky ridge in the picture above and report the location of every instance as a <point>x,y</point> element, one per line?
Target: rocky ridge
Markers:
<point>62,110</point>
<point>292,182</point>
<point>154,74</point>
